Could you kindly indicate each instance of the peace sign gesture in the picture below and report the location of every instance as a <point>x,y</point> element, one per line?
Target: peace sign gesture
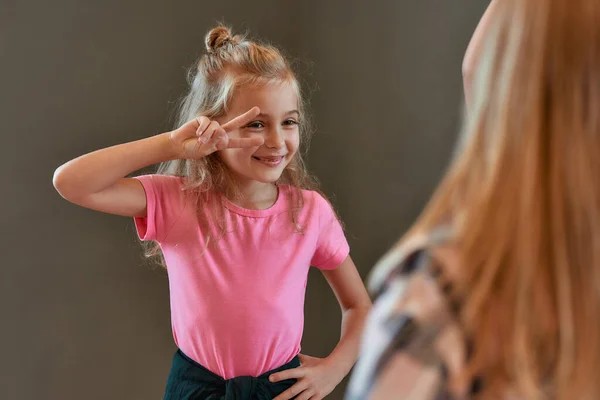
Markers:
<point>202,136</point>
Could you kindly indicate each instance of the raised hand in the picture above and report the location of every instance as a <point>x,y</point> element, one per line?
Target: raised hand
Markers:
<point>202,136</point>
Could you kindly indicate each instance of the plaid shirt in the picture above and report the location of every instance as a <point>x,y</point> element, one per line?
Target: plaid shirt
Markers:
<point>412,328</point>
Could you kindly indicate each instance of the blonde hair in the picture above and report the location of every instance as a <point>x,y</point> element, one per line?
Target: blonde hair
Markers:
<point>230,64</point>
<point>523,199</point>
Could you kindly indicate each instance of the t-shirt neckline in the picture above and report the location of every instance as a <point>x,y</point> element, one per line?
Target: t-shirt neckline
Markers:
<point>277,208</point>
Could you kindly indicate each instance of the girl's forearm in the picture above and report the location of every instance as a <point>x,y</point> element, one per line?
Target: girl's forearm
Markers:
<point>345,354</point>
<point>96,171</point>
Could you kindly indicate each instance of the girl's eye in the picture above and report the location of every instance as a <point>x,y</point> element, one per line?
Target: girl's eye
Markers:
<point>290,122</point>
<point>255,125</point>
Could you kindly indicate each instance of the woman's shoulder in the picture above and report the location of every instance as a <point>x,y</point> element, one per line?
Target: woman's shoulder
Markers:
<point>426,250</point>
<point>414,340</point>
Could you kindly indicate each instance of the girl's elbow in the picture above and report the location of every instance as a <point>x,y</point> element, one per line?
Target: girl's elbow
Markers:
<point>63,184</point>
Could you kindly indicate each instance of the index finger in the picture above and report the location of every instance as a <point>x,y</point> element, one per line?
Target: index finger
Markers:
<point>293,391</point>
<point>241,120</point>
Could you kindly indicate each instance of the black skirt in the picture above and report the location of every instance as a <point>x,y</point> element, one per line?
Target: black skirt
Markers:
<point>189,380</point>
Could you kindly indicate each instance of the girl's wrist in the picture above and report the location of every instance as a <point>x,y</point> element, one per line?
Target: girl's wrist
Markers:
<point>167,150</point>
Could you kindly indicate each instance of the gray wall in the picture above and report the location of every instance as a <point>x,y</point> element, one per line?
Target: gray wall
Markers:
<point>83,316</point>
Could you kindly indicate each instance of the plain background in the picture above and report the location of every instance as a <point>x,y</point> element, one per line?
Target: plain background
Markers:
<point>83,315</point>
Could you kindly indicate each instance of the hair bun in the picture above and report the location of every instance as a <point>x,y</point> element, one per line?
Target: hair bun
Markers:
<point>219,37</point>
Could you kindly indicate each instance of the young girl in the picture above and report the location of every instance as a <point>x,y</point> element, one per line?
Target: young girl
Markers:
<point>237,226</point>
<point>494,293</point>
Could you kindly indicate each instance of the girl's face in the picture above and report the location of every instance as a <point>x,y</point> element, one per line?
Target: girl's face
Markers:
<point>277,124</point>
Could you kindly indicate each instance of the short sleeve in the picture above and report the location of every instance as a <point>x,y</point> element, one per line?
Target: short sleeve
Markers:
<point>332,246</point>
<point>164,203</point>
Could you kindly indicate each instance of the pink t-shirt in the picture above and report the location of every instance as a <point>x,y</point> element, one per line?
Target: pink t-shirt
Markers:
<point>237,305</point>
